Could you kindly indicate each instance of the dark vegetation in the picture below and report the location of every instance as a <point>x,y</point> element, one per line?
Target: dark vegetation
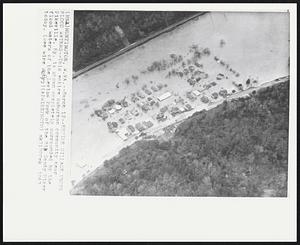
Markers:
<point>95,36</point>
<point>239,148</point>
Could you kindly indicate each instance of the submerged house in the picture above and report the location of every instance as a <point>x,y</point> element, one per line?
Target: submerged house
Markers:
<point>164,96</point>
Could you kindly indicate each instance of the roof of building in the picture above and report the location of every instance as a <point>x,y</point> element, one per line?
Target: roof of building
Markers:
<point>131,128</point>
<point>148,124</point>
<point>164,96</point>
<point>111,111</point>
<point>118,107</point>
<point>196,92</point>
<point>123,134</point>
<point>181,108</point>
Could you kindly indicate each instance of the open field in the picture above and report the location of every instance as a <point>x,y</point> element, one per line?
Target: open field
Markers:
<point>255,47</point>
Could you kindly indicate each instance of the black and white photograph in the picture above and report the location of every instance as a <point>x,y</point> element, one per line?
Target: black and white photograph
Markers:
<point>156,122</point>
<point>180,103</point>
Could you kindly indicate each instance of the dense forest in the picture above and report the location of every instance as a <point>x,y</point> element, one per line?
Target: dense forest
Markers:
<point>96,36</point>
<point>239,148</point>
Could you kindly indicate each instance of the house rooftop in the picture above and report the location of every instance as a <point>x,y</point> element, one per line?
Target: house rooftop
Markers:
<point>164,96</point>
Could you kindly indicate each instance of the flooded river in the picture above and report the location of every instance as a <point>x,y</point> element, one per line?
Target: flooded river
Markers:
<point>256,44</point>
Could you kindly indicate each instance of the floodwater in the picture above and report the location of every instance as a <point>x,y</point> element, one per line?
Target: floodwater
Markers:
<point>256,45</point>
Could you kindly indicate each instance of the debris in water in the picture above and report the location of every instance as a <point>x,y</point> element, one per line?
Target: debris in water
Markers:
<point>83,101</point>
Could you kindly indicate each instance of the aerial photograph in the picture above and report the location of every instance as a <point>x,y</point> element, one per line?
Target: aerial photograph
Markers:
<point>187,104</point>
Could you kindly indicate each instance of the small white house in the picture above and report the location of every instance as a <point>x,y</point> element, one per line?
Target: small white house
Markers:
<point>181,108</point>
<point>118,107</point>
<point>164,96</point>
<point>112,111</point>
<point>196,92</point>
<point>123,134</point>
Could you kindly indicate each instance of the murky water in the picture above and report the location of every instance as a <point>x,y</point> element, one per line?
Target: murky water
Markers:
<point>256,44</point>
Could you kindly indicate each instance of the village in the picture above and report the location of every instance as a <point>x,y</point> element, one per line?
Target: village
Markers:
<point>144,110</point>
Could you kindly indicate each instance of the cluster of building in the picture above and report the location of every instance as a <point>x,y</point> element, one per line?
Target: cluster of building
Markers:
<point>179,106</point>
<point>110,107</point>
<point>191,68</point>
<point>151,98</point>
<point>173,110</point>
<point>142,101</point>
<point>192,72</point>
<point>123,131</point>
<point>145,91</point>
<point>193,95</point>
<point>126,132</point>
